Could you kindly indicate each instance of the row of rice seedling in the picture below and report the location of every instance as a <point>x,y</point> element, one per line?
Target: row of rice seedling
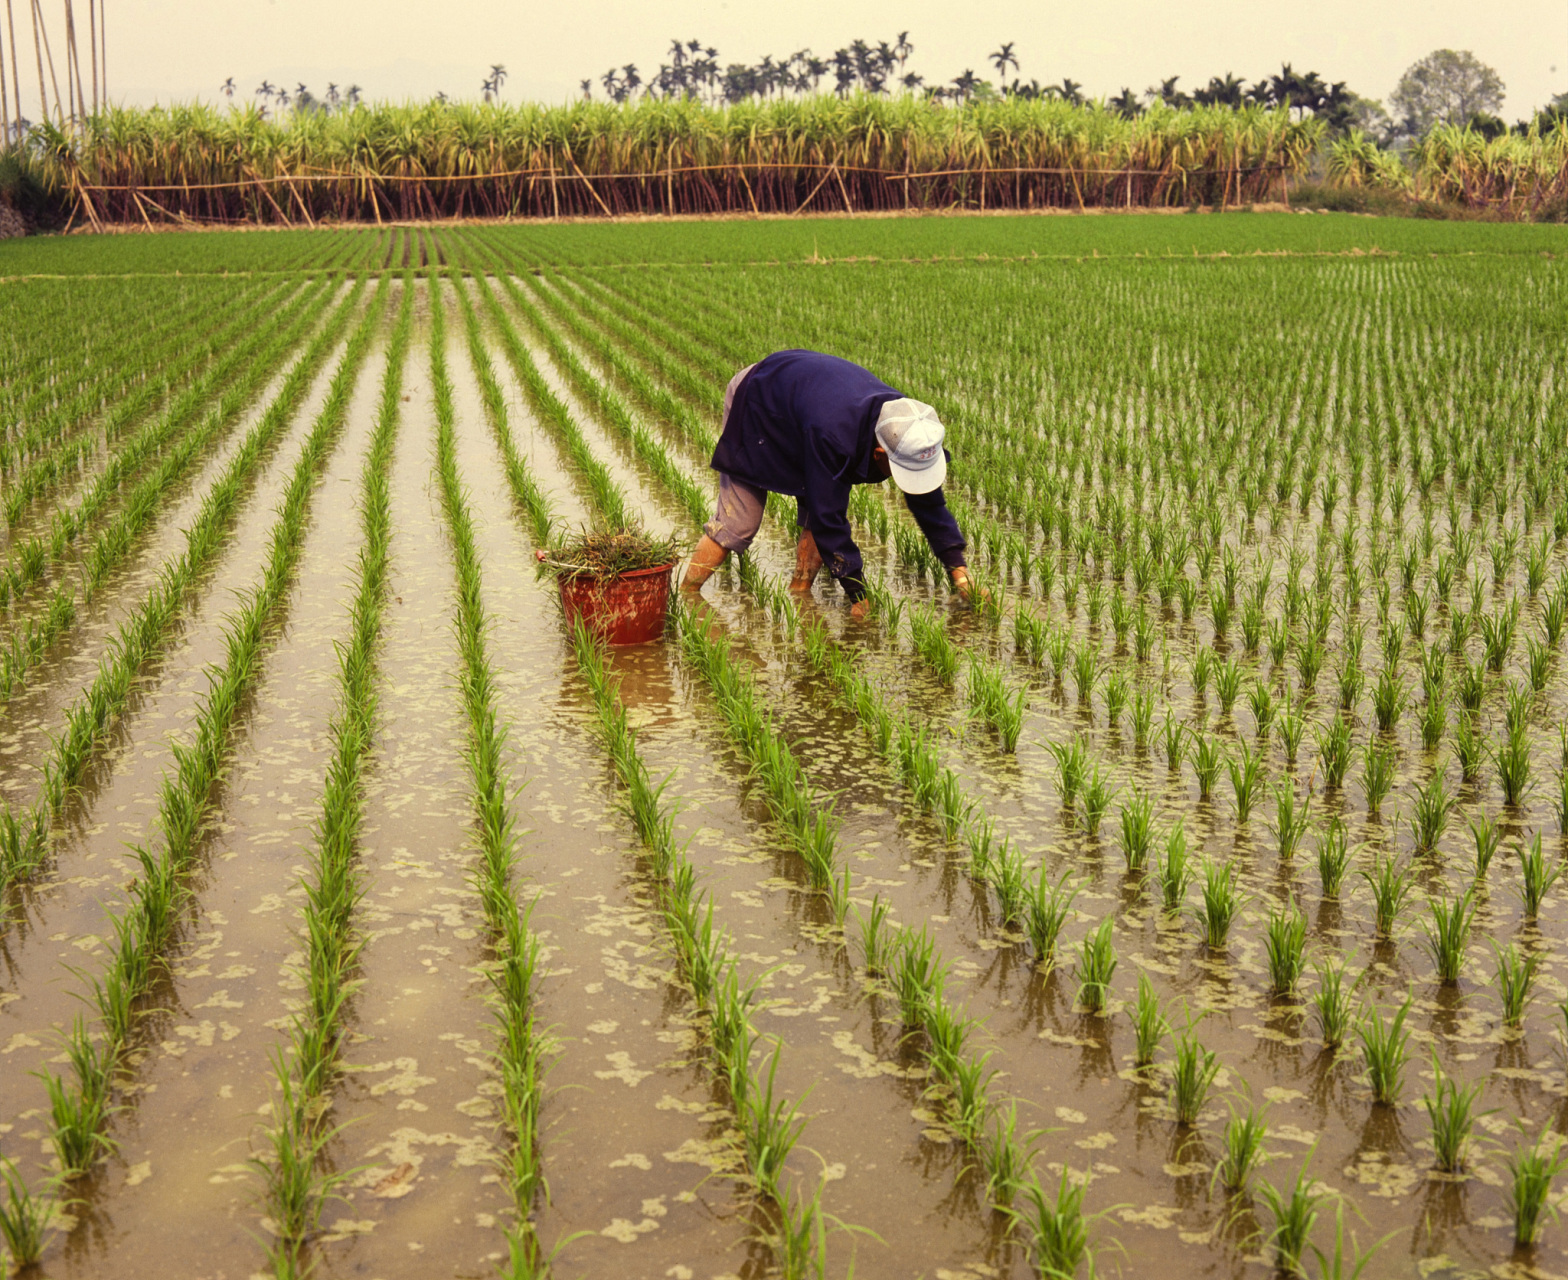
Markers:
<point>810,824</point>
<point>522,1044</point>
<point>33,640</point>
<point>29,560</point>
<point>34,460</point>
<point>82,1104</point>
<point>52,344</point>
<point>606,496</point>
<point>769,1126</point>
<point>297,1182</point>
<point>526,492</point>
<point>24,831</point>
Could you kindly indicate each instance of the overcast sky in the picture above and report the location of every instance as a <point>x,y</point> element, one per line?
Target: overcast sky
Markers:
<point>164,50</point>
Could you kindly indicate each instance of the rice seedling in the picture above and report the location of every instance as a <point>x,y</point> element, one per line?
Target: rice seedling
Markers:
<point>1202,670</point>
<point>1472,685</point>
<point>1531,1171</point>
<point>1514,978</point>
<point>1173,738</point>
<point>1285,943</point>
<point>1377,774</point>
<point>1176,871</point>
<point>1207,759</point>
<point>1222,903</point>
<point>917,975</point>
<point>1389,699</point>
<point>1072,767</point>
<point>1469,747</point>
<point>1488,835</point>
<point>1086,672</point>
<point>1011,882</point>
<point>1497,634</point>
<point>877,939</point>
<point>1117,689</point>
<point>1246,778</point>
<point>1334,750</point>
<point>1006,1156</point>
<point>1137,830</point>
<point>1097,796</point>
<point>1149,1023</point>
<point>1295,1213</point>
<point>1047,910</point>
<point>1242,1151</point>
<point>1430,812</point>
<point>933,643</point>
<point>1451,1114</point>
<point>1384,1046</point>
<point>1290,819</point>
<point>1536,878</point>
<point>1348,683</point>
<point>25,1218</point>
<point>1512,757</point>
<point>1391,884</point>
<point>1333,856</point>
<point>1331,1006</point>
<point>1193,1069</point>
<point>1143,703</point>
<point>1095,968</point>
<point>1057,1231</point>
<point>999,706</point>
<point>1227,684</point>
<point>1448,933</point>
<point>1261,702</point>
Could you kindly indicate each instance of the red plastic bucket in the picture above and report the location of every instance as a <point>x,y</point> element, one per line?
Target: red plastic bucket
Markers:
<point>627,609</point>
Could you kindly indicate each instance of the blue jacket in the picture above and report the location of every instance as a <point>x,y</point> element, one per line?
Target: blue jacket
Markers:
<point>804,424</point>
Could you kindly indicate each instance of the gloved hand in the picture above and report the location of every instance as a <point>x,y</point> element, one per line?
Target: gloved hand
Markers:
<point>860,609</point>
<point>965,584</point>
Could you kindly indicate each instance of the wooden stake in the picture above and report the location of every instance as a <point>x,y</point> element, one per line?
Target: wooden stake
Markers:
<point>16,66</point>
<point>43,98</point>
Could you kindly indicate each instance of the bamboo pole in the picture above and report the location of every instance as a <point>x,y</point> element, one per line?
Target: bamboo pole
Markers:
<point>74,61</point>
<point>54,84</point>
<point>43,97</point>
<point>5,103</point>
<point>16,66</point>
<point>92,39</point>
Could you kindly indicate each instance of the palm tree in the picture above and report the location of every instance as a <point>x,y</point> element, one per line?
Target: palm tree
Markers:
<point>1126,104</point>
<point>964,85</point>
<point>227,88</point>
<point>1070,91</point>
<point>902,49</point>
<point>587,87</point>
<point>1002,59</point>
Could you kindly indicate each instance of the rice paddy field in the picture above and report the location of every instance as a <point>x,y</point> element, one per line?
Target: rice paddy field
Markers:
<point>1191,903</point>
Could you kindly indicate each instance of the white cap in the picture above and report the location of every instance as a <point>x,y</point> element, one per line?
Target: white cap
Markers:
<point>912,434</point>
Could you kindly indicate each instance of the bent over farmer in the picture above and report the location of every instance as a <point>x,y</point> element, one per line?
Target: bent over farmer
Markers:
<point>810,426</point>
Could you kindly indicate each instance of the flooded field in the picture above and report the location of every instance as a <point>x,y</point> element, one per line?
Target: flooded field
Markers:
<point>1190,904</point>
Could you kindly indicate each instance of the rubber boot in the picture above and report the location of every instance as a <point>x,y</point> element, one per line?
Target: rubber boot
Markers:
<point>708,556</point>
<point>808,562</point>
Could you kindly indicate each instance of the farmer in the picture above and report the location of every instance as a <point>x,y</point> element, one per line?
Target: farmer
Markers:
<point>810,425</point>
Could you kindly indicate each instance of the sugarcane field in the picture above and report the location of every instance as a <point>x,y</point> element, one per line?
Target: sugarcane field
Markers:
<point>964,746</point>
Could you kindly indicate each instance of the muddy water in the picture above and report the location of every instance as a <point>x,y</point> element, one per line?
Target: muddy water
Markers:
<point>61,920</point>
<point>181,1180</point>
<point>634,1147</point>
